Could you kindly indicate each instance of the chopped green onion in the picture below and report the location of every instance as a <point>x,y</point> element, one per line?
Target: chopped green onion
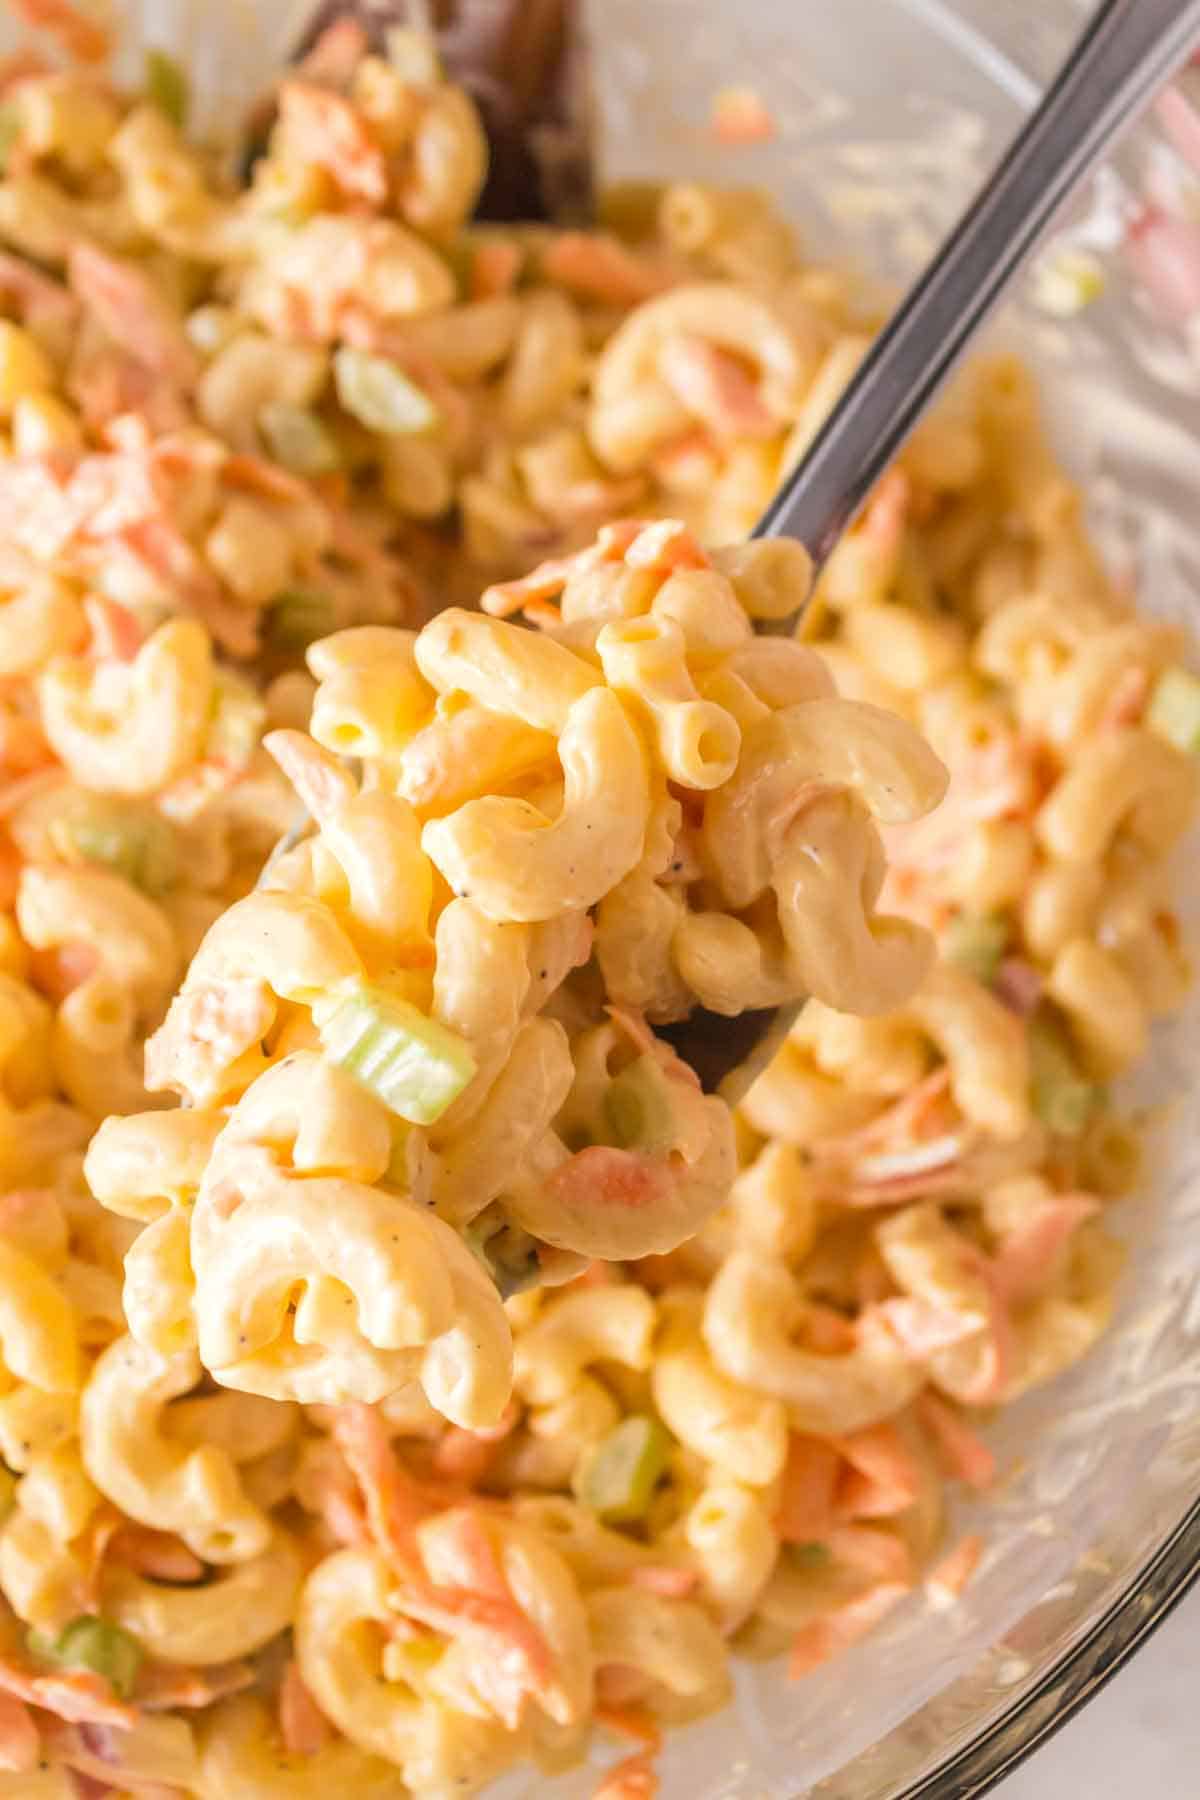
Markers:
<point>1174,709</point>
<point>91,1643</point>
<point>618,1478</point>
<point>298,616</point>
<point>238,718</point>
<point>379,394</point>
<point>637,1107</point>
<point>136,843</point>
<point>413,54</point>
<point>1063,1097</point>
<point>167,86</point>
<point>11,126</point>
<point>812,1555</point>
<point>413,1064</point>
<point>976,942</point>
<point>298,439</point>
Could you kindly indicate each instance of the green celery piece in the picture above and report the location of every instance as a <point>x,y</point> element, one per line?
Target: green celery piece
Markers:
<point>1063,1097</point>
<point>618,1478</point>
<point>238,717</point>
<point>298,616</point>
<point>637,1107</point>
<point>410,1062</point>
<point>1174,709</point>
<point>976,942</point>
<point>298,439</point>
<point>96,1644</point>
<point>167,86</point>
<point>379,394</point>
<point>139,845</point>
<point>812,1555</point>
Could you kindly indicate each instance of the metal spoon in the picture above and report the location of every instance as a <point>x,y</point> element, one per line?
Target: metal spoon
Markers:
<point>1127,49</point>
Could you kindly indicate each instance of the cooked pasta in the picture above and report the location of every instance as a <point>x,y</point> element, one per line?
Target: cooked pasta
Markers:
<point>449,1376</point>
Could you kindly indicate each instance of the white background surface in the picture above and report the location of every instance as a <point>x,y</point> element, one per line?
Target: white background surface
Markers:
<point>1139,1739</point>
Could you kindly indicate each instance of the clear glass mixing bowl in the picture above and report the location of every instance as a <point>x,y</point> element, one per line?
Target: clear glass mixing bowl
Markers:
<point>890,111</point>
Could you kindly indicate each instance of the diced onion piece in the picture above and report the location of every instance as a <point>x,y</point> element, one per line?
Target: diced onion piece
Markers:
<point>298,439</point>
<point>1173,711</point>
<point>379,394</point>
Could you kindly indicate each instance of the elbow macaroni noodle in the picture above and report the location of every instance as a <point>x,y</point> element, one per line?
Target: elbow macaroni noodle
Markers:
<point>391,1450</point>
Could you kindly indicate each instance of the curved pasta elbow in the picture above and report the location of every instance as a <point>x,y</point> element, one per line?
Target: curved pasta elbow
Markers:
<point>516,864</point>
<point>322,1289</point>
<point>749,1314</point>
<point>135,738</point>
<point>985,1046</point>
<point>1130,780</point>
<point>161,1483</point>
<point>841,951</point>
<point>233,1615</point>
<point>789,759</point>
<point>38,1332</point>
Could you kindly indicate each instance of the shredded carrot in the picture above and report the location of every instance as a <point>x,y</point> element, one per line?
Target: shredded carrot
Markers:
<point>601,1176</point>
<point>521,1666</point>
<point>824,1330</point>
<point>58,972</point>
<point>669,1583</point>
<point>740,115</point>
<point>872,1551</point>
<point>336,53</point>
<point>827,1637</point>
<point>947,1580</point>
<point>603,268</point>
<point>1029,1257</point>
<point>76,1695</point>
<point>131,310</point>
<point>22,65</point>
<point>164,1686</point>
<point>116,634</point>
<point>882,1478</point>
<point>82,39</point>
<point>633,1779</point>
<point>964,1454</point>
<point>632,1722</point>
<point>466,1456</point>
<point>323,128</point>
<point>394,1507</point>
<point>158,1554</point>
<point>302,1725</point>
<point>665,546</point>
<point>494,269</point>
<point>808,1490</point>
<point>715,387</point>
<point>20,1745</point>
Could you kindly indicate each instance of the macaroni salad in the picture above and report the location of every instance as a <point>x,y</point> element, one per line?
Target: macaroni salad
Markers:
<point>448,1381</point>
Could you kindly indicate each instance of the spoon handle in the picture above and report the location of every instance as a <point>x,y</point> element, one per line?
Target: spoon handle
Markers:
<point>1127,49</point>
